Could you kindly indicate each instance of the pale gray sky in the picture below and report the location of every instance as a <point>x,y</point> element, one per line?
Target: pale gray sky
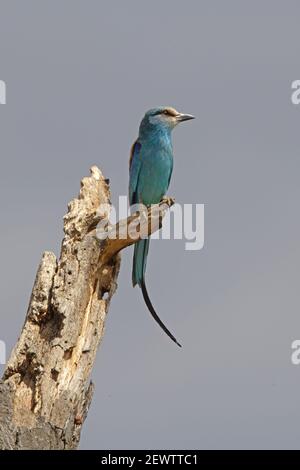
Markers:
<point>79,76</point>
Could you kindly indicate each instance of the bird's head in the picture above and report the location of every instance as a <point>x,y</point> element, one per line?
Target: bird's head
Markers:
<point>163,117</point>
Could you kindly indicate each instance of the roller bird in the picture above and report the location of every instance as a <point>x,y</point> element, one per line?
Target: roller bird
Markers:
<point>150,170</point>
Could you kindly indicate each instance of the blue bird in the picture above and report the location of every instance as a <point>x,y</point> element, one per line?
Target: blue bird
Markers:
<point>150,170</point>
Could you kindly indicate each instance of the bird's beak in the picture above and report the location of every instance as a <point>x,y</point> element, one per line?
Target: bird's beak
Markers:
<point>184,117</point>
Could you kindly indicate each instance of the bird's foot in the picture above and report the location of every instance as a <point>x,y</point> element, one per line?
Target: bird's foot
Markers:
<point>168,200</point>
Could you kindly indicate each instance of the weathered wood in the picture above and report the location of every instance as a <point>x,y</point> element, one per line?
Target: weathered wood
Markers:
<point>45,392</point>
<point>139,225</point>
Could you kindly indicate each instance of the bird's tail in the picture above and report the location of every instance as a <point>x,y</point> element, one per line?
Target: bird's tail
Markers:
<point>141,249</point>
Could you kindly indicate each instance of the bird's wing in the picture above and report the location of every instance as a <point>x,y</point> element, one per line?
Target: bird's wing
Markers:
<point>134,170</point>
<point>170,174</point>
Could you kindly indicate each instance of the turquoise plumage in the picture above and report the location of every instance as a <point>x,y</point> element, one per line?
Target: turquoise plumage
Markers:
<point>150,170</point>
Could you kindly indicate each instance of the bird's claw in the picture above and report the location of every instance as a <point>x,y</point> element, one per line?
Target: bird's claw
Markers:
<point>168,200</point>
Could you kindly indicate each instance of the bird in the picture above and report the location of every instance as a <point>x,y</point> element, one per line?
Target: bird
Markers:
<point>150,170</point>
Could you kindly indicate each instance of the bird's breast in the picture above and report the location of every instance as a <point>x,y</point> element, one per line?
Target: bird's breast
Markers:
<point>156,168</point>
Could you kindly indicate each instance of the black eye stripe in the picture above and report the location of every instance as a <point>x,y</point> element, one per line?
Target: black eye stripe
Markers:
<point>164,111</point>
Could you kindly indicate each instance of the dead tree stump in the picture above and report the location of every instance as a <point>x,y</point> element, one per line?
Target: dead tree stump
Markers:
<point>46,391</point>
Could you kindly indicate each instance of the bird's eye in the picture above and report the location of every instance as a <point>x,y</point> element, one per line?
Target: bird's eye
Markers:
<point>166,112</point>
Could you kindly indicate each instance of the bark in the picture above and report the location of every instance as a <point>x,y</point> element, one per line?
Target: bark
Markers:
<point>46,392</point>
